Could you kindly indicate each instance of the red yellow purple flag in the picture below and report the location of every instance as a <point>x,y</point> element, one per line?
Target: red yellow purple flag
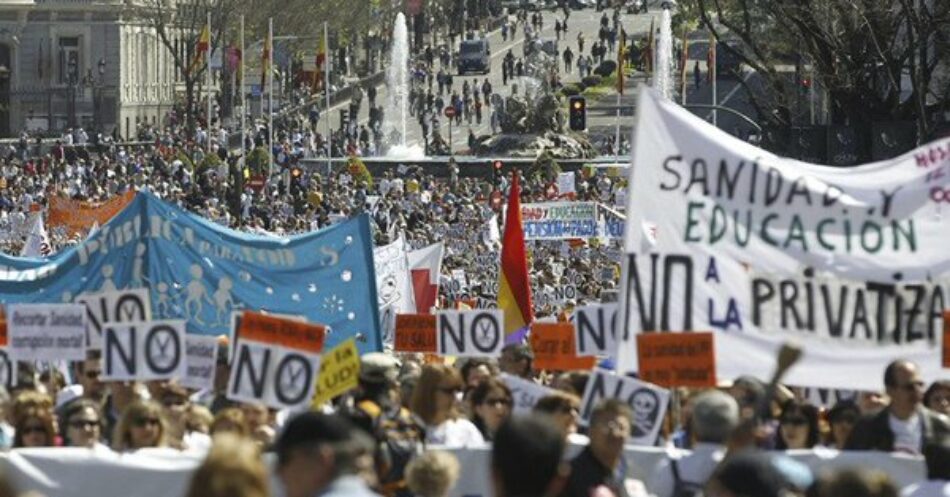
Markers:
<point>201,48</point>
<point>514,288</point>
<point>266,59</point>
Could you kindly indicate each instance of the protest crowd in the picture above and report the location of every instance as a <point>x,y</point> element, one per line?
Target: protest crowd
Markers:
<point>421,424</point>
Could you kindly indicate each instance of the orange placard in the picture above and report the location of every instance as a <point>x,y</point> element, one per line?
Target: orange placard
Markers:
<point>281,331</point>
<point>415,333</point>
<point>554,348</point>
<point>77,216</point>
<point>677,359</point>
<point>946,339</point>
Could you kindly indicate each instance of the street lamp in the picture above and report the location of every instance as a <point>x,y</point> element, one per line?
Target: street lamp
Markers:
<point>97,95</point>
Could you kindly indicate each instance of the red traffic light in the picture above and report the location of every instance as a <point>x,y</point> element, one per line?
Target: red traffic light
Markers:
<point>806,83</point>
<point>497,165</point>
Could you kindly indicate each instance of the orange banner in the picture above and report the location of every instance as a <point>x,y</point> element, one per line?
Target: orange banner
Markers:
<point>281,331</point>
<point>677,359</point>
<point>415,333</point>
<point>78,216</point>
<point>946,339</point>
<point>555,350</point>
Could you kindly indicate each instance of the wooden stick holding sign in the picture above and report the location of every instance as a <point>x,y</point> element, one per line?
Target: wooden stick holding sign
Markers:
<point>276,361</point>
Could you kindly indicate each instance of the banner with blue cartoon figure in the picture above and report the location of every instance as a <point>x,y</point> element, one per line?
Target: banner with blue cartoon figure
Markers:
<point>201,272</point>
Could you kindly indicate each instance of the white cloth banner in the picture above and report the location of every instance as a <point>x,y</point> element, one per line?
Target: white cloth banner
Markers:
<point>37,242</point>
<point>77,472</point>
<point>559,220</point>
<point>393,285</point>
<point>851,263</point>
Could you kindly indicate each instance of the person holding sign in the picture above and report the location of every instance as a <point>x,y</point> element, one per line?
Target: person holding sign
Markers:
<point>436,401</point>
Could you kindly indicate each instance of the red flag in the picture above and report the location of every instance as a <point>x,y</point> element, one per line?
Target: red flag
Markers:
<point>425,265</point>
<point>514,287</point>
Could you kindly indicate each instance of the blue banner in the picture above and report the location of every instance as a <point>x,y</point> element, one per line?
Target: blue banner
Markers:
<point>201,272</point>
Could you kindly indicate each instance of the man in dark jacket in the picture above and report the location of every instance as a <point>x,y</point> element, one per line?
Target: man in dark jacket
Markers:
<point>905,425</point>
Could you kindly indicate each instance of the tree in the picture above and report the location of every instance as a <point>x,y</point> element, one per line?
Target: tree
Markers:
<point>178,25</point>
<point>857,51</point>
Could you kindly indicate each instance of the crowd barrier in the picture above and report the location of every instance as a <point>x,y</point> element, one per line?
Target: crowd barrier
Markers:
<point>71,472</point>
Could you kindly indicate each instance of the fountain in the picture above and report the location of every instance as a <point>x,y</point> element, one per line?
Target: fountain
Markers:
<point>396,110</point>
<point>663,80</point>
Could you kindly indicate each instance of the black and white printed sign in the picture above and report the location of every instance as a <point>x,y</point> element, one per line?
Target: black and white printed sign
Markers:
<point>648,401</point>
<point>525,394</point>
<point>201,357</point>
<point>46,332</point>
<point>594,328</point>
<point>122,306</point>
<point>477,333</point>
<point>152,350</point>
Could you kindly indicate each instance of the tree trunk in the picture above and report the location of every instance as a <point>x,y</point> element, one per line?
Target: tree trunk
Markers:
<point>190,106</point>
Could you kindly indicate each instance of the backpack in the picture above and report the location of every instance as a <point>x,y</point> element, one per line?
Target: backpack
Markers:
<point>681,487</point>
<point>400,436</point>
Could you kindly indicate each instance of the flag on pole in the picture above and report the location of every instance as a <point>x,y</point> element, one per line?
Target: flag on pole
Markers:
<point>650,51</point>
<point>321,60</point>
<point>711,59</point>
<point>514,288</point>
<point>201,48</point>
<point>425,265</point>
<point>266,60</point>
<point>621,57</point>
<point>37,242</point>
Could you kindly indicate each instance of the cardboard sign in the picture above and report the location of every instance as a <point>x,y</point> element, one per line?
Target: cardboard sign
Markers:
<point>677,359</point>
<point>649,403</point>
<point>477,333</point>
<point>524,393</point>
<point>946,339</point>
<point>554,348</point>
<point>201,358</point>
<point>594,326</point>
<point>415,333</point>
<point>276,361</point>
<point>121,306</point>
<point>47,332</point>
<point>145,351</point>
<point>339,372</point>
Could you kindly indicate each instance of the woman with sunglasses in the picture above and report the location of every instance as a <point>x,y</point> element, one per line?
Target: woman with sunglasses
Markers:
<point>435,401</point>
<point>564,409</point>
<point>491,405</point>
<point>798,426</point>
<point>82,424</point>
<point>34,428</point>
<point>142,425</point>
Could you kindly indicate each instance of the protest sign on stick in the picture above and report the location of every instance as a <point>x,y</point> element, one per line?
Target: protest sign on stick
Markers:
<point>276,361</point>
<point>554,348</point>
<point>339,372</point>
<point>648,402</point>
<point>677,359</point>
<point>201,359</point>
<point>47,332</point>
<point>153,350</point>
<point>478,333</point>
<point>415,333</point>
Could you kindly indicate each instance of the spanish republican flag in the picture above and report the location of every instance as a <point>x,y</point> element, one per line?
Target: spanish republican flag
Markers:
<point>514,288</point>
<point>321,60</point>
<point>201,48</point>
<point>266,58</point>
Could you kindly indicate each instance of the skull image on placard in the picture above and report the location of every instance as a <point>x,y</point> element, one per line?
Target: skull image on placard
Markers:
<point>646,408</point>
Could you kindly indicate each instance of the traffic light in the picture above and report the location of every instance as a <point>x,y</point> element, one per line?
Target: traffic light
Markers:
<point>578,113</point>
<point>805,84</point>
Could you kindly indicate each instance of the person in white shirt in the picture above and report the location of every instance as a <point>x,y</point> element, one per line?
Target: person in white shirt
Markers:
<point>715,415</point>
<point>436,400</point>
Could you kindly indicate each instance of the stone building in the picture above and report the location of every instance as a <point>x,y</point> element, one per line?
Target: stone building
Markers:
<point>90,63</point>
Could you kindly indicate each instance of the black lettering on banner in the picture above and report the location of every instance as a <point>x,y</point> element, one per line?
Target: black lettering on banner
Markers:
<point>456,333</point>
<point>129,308</point>
<point>648,319</point>
<point>486,332</point>
<point>255,375</point>
<point>762,292</point>
<point>157,355</point>
<point>595,329</point>
<point>7,375</point>
<point>295,390</point>
<point>115,352</point>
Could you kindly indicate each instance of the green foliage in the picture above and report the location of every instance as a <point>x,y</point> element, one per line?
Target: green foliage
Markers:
<point>209,161</point>
<point>592,80</point>
<point>258,160</point>
<point>607,68</point>
<point>571,89</point>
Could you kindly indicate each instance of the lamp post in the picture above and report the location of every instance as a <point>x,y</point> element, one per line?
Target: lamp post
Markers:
<point>97,94</point>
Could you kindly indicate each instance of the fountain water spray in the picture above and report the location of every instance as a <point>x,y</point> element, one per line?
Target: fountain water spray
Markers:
<point>663,80</point>
<point>396,110</point>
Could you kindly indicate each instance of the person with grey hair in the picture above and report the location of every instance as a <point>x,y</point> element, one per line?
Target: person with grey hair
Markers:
<point>715,415</point>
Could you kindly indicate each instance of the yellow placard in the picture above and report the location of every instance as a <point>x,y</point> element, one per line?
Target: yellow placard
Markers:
<point>339,372</point>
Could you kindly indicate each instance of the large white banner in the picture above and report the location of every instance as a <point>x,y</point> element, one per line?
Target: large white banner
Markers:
<point>850,262</point>
<point>393,284</point>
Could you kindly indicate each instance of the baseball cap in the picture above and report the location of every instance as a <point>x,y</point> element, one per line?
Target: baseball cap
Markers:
<point>377,367</point>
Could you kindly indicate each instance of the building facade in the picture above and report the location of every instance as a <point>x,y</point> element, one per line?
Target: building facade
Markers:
<point>90,63</point>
